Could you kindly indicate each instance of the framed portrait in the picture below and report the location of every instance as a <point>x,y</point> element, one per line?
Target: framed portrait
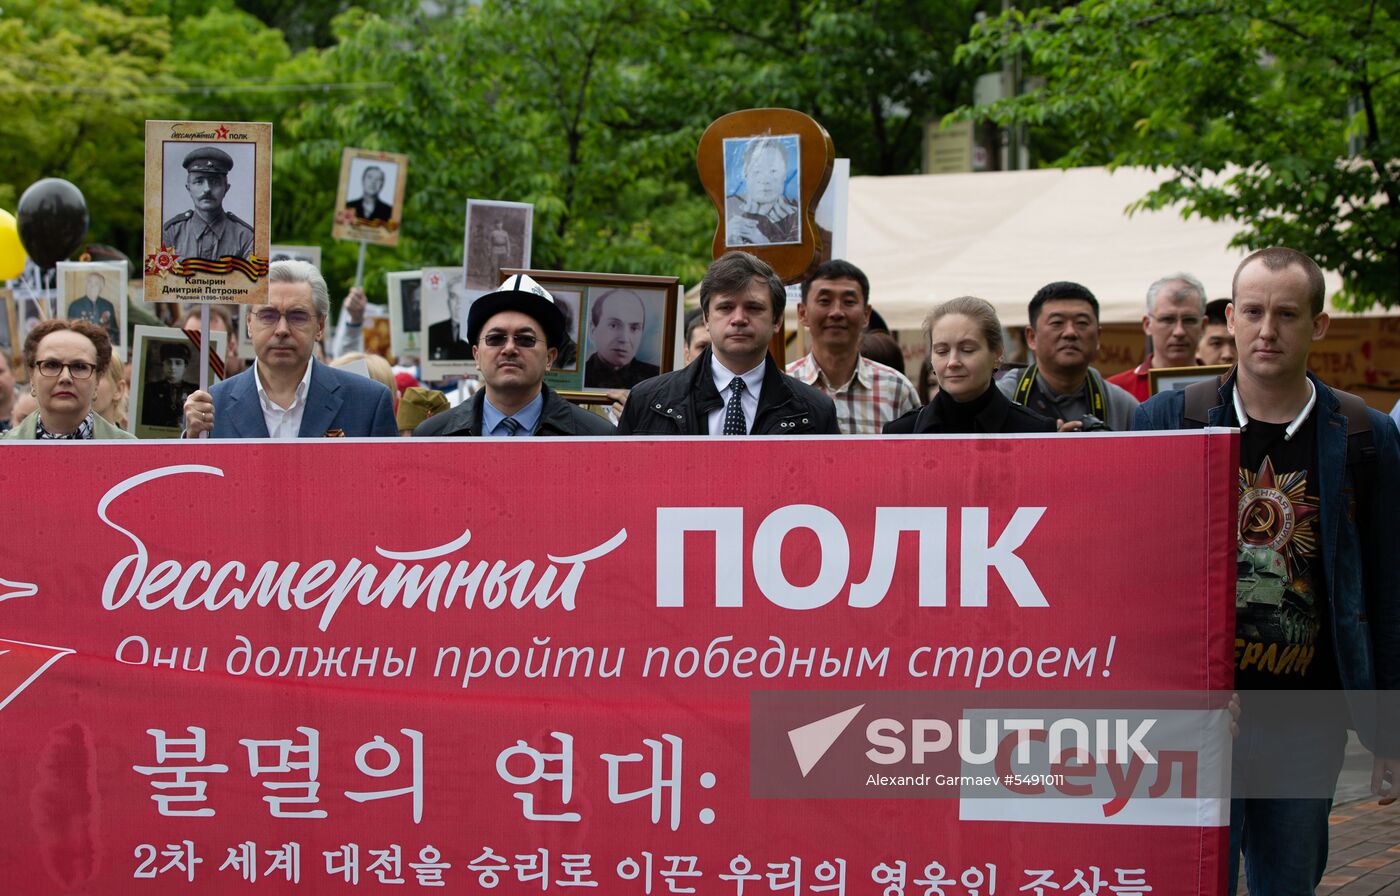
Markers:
<point>164,371</point>
<point>10,342</point>
<point>405,312</point>
<point>311,254</point>
<point>95,291</point>
<point>243,339</point>
<point>444,301</point>
<point>620,329</point>
<point>369,200</point>
<point>497,240</point>
<point>1168,379</point>
<point>208,211</point>
<point>29,311</point>
<point>761,182</point>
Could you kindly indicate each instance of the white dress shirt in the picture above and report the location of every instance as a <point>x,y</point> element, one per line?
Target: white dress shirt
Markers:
<point>284,423</point>
<point>753,384</point>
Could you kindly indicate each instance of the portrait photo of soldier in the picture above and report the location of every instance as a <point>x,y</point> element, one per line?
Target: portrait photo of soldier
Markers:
<point>166,386</point>
<point>208,201</point>
<point>497,239</point>
<point>96,293</point>
<point>761,191</point>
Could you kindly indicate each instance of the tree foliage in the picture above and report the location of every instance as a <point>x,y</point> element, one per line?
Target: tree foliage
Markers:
<point>1275,114</point>
<point>589,109</point>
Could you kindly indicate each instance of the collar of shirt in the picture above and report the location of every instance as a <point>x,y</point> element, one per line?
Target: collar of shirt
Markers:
<point>753,385</point>
<point>284,423</point>
<point>84,430</point>
<point>810,372</point>
<point>528,417</point>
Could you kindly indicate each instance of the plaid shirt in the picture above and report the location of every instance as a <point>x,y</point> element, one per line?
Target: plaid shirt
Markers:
<point>875,395</point>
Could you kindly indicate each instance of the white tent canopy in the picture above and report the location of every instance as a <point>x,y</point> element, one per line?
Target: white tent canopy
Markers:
<point>1002,235</point>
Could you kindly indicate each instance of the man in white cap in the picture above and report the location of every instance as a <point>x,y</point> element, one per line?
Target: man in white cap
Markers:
<point>515,334</point>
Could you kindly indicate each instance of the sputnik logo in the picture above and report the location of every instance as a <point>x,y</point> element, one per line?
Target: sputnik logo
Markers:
<point>811,742</point>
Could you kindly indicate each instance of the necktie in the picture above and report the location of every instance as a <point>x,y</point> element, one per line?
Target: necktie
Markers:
<point>511,426</point>
<point>734,424</point>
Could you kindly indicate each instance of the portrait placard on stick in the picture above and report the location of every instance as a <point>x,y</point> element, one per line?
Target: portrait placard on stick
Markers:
<point>208,211</point>
<point>405,312</point>
<point>164,371</point>
<point>443,326</point>
<point>95,291</point>
<point>497,239</point>
<point>369,200</point>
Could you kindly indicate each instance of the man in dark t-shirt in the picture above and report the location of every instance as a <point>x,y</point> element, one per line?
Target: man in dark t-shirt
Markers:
<point>1317,589</point>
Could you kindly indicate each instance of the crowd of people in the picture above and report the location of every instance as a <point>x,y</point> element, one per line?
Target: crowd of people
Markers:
<point>1319,472</point>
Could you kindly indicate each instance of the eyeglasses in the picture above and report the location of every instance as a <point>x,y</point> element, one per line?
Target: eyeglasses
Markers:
<point>268,317</point>
<point>1171,320</point>
<point>79,370</point>
<point>522,340</point>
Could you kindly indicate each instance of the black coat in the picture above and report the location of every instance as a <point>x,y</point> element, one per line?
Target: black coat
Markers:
<point>558,417</point>
<point>679,404</point>
<point>1000,415</point>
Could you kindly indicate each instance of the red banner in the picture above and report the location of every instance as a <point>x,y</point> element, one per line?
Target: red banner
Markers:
<point>540,665</point>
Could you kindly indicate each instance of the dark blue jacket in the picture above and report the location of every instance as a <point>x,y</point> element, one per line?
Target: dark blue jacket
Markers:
<point>357,406</point>
<point>1360,558</point>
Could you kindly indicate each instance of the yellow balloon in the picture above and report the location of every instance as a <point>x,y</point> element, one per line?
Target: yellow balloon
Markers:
<point>12,257</point>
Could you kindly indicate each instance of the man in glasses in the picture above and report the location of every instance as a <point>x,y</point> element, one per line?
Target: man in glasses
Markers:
<point>515,334</point>
<point>285,394</point>
<point>1176,315</point>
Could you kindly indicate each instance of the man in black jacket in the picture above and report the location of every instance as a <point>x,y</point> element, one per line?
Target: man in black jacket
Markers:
<point>515,334</point>
<point>733,388</point>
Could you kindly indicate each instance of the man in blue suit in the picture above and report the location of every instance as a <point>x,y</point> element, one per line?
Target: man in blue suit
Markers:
<point>286,394</point>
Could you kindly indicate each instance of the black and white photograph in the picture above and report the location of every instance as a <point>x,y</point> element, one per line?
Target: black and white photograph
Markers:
<point>369,198</point>
<point>9,327</point>
<point>95,291</point>
<point>445,300</point>
<point>164,371</point>
<point>405,312</point>
<point>761,181</point>
<point>497,239</point>
<point>568,301</point>
<point>243,339</point>
<point>624,336</point>
<point>208,200</point>
<point>309,254</point>
<point>208,211</point>
<point>31,312</point>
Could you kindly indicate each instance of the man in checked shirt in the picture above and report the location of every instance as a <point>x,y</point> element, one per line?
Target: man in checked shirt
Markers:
<point>835,309</point>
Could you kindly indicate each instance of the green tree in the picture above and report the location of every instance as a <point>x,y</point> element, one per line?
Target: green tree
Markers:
<point>78,80</point>
<point>872,72</point>
<point>1275,114</point>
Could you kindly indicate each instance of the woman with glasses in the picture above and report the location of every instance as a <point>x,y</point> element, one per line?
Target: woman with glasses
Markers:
<point>965,345</point>
<point>66,360</point>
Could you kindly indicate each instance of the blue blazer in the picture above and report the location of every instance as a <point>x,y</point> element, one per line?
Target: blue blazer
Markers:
<point>335,399</point>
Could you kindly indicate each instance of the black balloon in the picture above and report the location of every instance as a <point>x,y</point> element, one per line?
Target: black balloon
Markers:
<point>53,219</point>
